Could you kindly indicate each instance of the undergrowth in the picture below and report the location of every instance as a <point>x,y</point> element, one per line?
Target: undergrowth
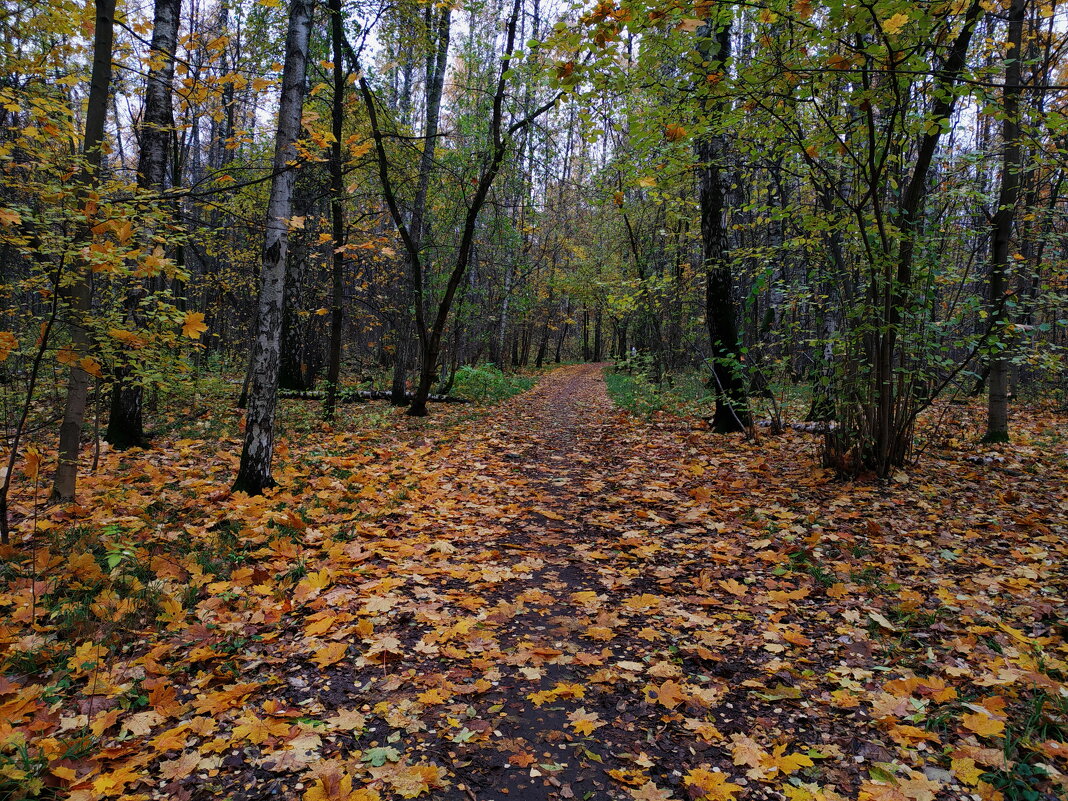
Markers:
<point>486,383</point>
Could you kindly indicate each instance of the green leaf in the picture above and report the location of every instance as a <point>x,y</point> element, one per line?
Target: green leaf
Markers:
<point>381,755</point>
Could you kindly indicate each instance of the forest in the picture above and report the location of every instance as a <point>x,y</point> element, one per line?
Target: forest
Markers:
<point>534,399</point>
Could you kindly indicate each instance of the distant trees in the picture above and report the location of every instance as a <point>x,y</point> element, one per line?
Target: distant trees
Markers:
<point>861,200</point>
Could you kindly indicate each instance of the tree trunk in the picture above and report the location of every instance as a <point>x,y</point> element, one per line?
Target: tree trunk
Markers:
<point>126,420</point>
<point>300,355</point>
<point>524,348</point>
<point>254,473</point>
<point>79,298</point>
<point>543,345</point>
<point>586,353</point>
<point>732,407</point>
<point>598,342</point>
<point>500,351</point>
<point>399,387</point>
<point>997,421</point>
<point>411,231</point>
<point>430,340</point>
<point>563,331</point>
<point>337,215</point>
<point>892,438</point>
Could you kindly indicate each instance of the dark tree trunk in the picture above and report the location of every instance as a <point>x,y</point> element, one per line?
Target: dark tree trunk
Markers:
<point>543,345</point>
<point>563,332</point>
<point>79,294</point>
<point>401,362</point>
<point>524,351</point>
<point>732,406</point>
<point>337,215</point>
<point>997,425</point>
<point>892,440</point>
<point>300,355</point>
<point>598,342</point>
<point>430,339</point>
<point>586,352</point>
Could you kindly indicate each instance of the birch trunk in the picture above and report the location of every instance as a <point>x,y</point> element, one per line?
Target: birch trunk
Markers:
<point>254,473</point>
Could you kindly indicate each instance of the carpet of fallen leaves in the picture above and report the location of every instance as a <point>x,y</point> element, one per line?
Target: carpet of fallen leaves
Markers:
<point>557,600</point>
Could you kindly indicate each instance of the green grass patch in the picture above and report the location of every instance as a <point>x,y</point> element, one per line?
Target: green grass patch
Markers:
<point>485,383</point>
<point>679,393</point>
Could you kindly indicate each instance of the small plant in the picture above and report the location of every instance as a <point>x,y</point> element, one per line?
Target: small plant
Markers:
<point>1018,782</point>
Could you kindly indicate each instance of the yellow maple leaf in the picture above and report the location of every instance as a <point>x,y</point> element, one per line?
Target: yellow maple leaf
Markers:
<point>983,725</point>
<point>674,132</point>
<point>649,792</point>
<point>584,597</point>
<point>433,696</point>
<point>565,689</point>
<point>33,464</point>
<point>584,722</point>
<point>318,580</point>
<point>130,338</point>
<point>338,787</point>
<point>711,785</point>
<point>670,694</point>
<point>114,782</point>
<point>629,776</point>
<point>320,624</point>
<point>86,657</point>
<point>173,739</point>
<point>193,325</point>
<point>967,771</point>
<point>779,761</point>
<point>706,731</point>
<point>542,697</point>
<point>746,751</point>
<point>255,730</point>
<point>64,773</point>
<point>91,366</point>
<point>330,654</point>
<point>895,23</point>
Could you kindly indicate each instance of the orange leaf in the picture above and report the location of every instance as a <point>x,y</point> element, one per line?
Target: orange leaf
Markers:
<point>330,654</point>
<point>983,725</point>
<point>33,463</point>
<point>193,325</point>
<point>670,694</point>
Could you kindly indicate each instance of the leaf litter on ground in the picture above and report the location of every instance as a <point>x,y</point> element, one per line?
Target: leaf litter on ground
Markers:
<point>556,600</point>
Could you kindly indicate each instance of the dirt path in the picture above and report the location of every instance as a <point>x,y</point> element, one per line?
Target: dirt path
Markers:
<point>558,531</point>
<point>560,447</point>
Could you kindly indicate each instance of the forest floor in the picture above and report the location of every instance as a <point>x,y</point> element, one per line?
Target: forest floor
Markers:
<point>555,600</point>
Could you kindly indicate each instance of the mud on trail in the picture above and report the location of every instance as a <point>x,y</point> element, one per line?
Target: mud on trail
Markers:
<point>563,601</point>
